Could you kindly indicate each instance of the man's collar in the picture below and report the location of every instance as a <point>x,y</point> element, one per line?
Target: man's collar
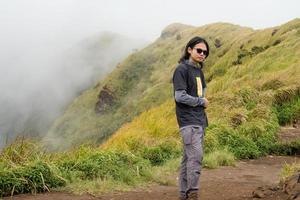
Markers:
<point>196,65</point>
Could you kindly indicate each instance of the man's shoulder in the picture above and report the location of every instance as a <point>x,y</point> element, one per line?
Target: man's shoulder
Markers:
<point>181,67</point>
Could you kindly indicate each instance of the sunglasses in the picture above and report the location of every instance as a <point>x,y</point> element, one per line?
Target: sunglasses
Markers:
<point>199,51</point>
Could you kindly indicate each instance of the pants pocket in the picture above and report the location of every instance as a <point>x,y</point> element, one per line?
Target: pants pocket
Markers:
<point>198,129</point>
<point>187,135</point>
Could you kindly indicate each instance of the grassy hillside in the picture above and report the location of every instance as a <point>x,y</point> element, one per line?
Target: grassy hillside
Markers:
<point>245,70</point>
<point>253,82</point>
<point>140,82</point>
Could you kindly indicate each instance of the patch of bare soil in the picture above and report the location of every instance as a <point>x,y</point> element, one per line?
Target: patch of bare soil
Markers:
<point>290,188</point>
<point>288,134</point>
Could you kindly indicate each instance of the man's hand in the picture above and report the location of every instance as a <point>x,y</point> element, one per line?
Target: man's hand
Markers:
<point>205,102</point>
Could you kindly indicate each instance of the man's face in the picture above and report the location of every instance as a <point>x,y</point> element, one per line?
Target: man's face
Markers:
<point>198,52</point>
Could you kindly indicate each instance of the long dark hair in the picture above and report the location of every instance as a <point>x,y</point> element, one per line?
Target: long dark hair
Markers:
<point>191,44</point>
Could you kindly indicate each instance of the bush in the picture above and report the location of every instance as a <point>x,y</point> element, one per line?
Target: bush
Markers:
<point>222,157</point>
<point>265,144</point>
<point>34,177</point>
<point>22,151</point>
<point>274,32</point>
<point>286,148</point>
<point>240,145</point>
<point>154,155</point>
<point>218,72</point>
<point>237,119</point>
<point>289,170</point>
<point>103,164</point>
<point>278,41</point>
<point>218,43</point>
<point>249,97</point>
<point>284,96</point>
<point>289,111</point>
<point>158,155</point>
<point>211,142</point>
<point>272,85</point>
<point>241,54</point>
<point>256,50</point>
<point>262,132</point>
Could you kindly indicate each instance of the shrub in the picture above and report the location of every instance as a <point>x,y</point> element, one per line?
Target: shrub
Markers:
<point>256,50</point>
<point>278,41</point>
<point>22,151</point>
<point>104,164</point>
<point>158,155</point>
<point>249,97</point>
<point>237,119</point>
<point>289,111</point>
<point>34,177</point>
<point>241,146</point>
<point>211,142</point>
<point>154,155</point>
<point>272,85</point>
<point>286,148</point>
<point>218,72</point>
<point>274,32</point>
<point>218,43</point>
<point>222,157</point>
<point>241,54</point>
<point>289,170</point>
<point>286,95</point>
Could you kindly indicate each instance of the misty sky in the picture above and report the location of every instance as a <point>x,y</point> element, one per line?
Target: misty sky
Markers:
<point>35,36</point>
<point>137,18</point>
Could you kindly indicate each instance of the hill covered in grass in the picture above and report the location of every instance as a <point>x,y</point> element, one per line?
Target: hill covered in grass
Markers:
<point>141,81</point>
<point>246,69</point>
<point>253,88</point>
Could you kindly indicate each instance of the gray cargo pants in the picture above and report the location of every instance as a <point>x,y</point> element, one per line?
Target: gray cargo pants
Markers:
<point>190,170</point>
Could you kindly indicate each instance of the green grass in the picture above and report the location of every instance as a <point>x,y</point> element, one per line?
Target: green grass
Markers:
<point>289,111</point>
<point>25,167</point>
<point>222,157</point>
<point>158,155</point>
<point>286,148</point>
<point>289,170</point>
<point>39,172</point>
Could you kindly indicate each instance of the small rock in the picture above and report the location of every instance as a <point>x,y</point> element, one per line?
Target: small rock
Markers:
<point>275,188</point>
<point>258,194</point>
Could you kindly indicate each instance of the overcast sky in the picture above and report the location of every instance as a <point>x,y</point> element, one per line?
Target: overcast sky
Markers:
<point>35,35</point>
<point>137,18</point>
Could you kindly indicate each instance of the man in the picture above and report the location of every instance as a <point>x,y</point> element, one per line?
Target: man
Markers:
<point>189,92</point>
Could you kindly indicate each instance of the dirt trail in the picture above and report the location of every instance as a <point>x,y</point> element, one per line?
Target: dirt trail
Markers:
<point>224,183</point>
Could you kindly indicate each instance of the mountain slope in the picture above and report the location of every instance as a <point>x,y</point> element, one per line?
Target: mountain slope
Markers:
<point>260,70</point>
<point>48,78</point>
<point>242,62</point>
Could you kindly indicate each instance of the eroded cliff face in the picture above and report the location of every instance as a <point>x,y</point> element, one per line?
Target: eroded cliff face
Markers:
<point>106,98</point>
